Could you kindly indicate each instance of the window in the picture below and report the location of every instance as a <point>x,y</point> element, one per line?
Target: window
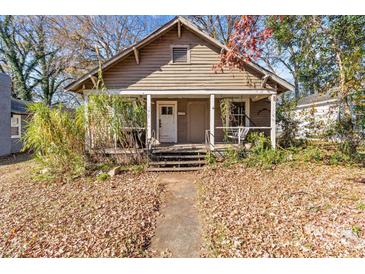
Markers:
<point>15,129</point>
<point>238,114</point>
<point>166,110</point>
<point>180,54</point>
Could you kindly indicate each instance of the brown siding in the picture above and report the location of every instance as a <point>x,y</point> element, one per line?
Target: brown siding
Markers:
<point>182,120</point>
<point>156,71</point>
<point>260,113</point>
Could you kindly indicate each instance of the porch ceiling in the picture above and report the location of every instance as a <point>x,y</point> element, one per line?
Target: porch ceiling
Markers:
<point>185,93</point>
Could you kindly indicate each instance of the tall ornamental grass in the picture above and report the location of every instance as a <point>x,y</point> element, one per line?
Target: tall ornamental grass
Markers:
<point>117,122</point>
<point>57,137</point>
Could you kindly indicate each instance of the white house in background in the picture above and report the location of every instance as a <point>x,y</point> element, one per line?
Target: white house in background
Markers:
<point>315,113</point>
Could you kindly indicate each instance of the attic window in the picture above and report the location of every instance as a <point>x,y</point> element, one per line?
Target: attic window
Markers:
<point>180,54</point>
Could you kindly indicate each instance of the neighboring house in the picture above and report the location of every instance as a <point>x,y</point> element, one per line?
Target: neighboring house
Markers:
<point>173,69</point>
<point>316,112</point>
<point>19,114</point>
<point>12,118</point>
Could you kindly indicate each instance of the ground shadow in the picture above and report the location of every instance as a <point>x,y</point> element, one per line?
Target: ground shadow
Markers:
<point>15,158</point>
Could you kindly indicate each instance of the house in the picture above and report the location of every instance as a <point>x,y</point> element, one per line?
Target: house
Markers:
<point>173,69</point>
<point>12,119</point>
<point>315,113</point>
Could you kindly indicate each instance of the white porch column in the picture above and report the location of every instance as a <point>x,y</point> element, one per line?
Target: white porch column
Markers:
<point>273,121</point>
<point>149,119</point>
<point>211,122</point>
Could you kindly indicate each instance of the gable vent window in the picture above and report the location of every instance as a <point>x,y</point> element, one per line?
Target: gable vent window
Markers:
<point>179,55</point>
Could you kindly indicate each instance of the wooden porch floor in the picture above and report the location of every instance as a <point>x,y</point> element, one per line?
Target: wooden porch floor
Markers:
<point>172,147</point>
<point>191,147</point>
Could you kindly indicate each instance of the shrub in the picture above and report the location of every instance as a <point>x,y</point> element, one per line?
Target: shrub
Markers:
<point>266,158</point>
<point>338,157</point>
<point>210,158</point>
<point>309,154</point>
<point>57,138</point>
<point>259,140</point>
<point>102,176</point>
<point>233,155</point>
<point>288,123</point>
<point>262,154</point>
<point>344,132</point>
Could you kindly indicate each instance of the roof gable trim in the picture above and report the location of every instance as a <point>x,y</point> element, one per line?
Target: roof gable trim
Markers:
<point>159,32</point>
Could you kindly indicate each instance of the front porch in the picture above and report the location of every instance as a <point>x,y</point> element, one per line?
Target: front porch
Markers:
<point>197,120</point>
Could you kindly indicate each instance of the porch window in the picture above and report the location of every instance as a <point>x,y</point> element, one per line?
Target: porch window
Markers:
<point>238,116</point>
<point>166,110</point>
<point>180,54</point>
<point>15,126</point>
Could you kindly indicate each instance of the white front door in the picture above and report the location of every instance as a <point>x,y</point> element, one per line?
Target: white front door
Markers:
<point>167,122</point>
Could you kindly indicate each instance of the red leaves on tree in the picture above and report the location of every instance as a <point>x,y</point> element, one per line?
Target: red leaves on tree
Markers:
<point>245,43</point>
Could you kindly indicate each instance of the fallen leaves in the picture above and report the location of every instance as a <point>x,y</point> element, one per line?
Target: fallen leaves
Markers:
<point>83,218</point>
<point>298,210</point>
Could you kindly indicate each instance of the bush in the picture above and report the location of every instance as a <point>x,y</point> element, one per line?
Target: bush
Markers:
<point>339,158</point>
<point>57,138</point>
<point>309,154</point>
<point>259,140</point>
<point>344,133</point>
<point>233,155</point>
<point>266,158</point>
<point>210,158</point>
<point>102,176</point>
<point>262,154</point>
<point>288,123</point>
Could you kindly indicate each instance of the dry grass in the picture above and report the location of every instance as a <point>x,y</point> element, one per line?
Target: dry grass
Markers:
<point>298,210</point>
<point>83,218</point>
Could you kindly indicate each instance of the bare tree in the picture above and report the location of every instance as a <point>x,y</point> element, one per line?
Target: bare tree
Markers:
<point>83,36</point>
<point>218,27</point>
<point>49,74</point>
<point>16,56</point>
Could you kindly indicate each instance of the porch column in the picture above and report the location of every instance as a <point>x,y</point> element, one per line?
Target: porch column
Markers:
<point>149,123</point>
<point>273,121</point>
<point>211,122</point>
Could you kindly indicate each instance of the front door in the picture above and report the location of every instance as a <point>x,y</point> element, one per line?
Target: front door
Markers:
<point>167,122</point>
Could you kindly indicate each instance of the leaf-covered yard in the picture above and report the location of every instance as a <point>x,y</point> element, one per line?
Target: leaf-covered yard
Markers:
<point>82,218</point>
<point>295,210</point>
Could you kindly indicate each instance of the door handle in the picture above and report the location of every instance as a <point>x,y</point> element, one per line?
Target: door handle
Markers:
<point>159,123</point>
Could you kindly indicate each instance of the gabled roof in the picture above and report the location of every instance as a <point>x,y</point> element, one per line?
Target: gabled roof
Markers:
<point>75,85</point>
<point>319,98</point>
<point>19,106</point>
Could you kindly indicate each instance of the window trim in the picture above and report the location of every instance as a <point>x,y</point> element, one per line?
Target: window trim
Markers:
<point>172,54</point>
<point>19,125</point>
<point>247,110</point>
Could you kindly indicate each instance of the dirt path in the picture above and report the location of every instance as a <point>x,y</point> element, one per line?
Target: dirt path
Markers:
<point>178,229</point>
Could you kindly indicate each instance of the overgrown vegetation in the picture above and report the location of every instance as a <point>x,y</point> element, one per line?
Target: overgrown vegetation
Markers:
<point>263,156</point>
<point>288,123</point>
<point>117,122</point>
<point>56,136</point>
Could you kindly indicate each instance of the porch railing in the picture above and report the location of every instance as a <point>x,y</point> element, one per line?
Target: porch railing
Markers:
<point>237,134</point>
